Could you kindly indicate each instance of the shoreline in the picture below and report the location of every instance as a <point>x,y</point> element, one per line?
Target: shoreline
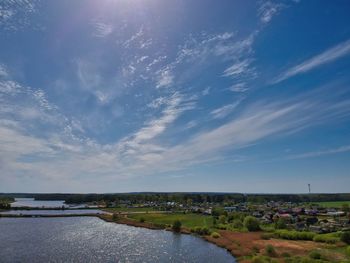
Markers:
<point>125,221</point>
<point>134,223</point>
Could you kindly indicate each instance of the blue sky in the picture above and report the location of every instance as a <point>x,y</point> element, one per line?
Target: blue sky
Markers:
<point>137,95</point>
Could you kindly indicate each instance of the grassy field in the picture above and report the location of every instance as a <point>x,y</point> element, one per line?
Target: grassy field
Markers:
<point>187,220</point>
<point>335,204</point>
<point>125,209</point>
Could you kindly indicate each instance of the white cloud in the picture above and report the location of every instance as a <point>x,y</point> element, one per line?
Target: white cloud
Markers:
<point>165,79</point>
<point>238,69</point>
<point>102,29</point>
<point>342,149</point>
<point>268,10</point>
<point>327,56</point>
<point>3,71</point>
<point>224,111</point>
<point>206,91</point>
<point>239,87</point>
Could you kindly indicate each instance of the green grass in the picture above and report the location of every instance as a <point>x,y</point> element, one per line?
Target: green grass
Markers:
<point>335,204</point>
<point>125,209</point>
<point>187,220</point>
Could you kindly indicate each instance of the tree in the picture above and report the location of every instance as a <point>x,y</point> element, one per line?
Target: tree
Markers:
<point>280,224</point>
<point>345,237</point>
<point>251,223</point>
<point>176,226</point>
<point>345,208</point>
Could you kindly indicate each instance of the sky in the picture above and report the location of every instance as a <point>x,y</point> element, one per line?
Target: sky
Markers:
<point>185,95</point>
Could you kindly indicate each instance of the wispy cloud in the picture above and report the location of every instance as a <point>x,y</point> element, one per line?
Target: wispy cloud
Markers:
<point>325,57</point>
<point>16,14</point>
<point>341,149</point>
<point>239,87</point>
<point>268,9</point>
<point>165,78</point>
<point>101,29</point>
<point>224,111</point>
<point>238,69</point>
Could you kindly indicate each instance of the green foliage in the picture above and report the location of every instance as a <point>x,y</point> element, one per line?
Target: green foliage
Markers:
<point>189,220</point>
<point>295,235</point>
<point>285,255</point>
<point>348,250</point>
<point>237,223</point>
<point>221,226</point>
<point>270,251</point>
<point>215,235</point>
<point>222,219</point>
<point>327,238</point>
<point>280,224</point>
<point>142,220</point>
<point>263,259</point>
<point>203,231</point>
<point>267,236</point>
<point>251,223</point>
<point>345,237</point>
<point>177,226</point>
<point>315,255</point>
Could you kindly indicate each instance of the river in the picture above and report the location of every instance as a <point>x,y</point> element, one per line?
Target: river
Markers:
<point>90,239</point>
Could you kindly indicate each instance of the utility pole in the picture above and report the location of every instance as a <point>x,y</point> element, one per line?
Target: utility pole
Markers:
<point>309,185</point>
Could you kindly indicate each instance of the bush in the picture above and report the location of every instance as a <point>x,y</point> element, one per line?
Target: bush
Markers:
<point>251,223</point>
<point>142,220</point>
<point>270,251</point>
<point>237,223</point>
<point>315,255</point>
<point>345,237</point>
<point>221,226</point>
<point>176,226</point>
<point>285,255</point>
<point>326,238</point>
<point>295,235</point>
<point>280,224</point>
<point>215,235</point>
<point>267,236</point>
<point>348,250</point>
<point>203,231</point>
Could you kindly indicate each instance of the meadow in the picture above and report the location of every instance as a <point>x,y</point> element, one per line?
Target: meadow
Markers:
<point>334,204</point>
<point>187,220</point>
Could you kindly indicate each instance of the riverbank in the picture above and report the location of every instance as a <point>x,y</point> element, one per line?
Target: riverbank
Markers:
<point>243,246</point>
<point>252,246</point>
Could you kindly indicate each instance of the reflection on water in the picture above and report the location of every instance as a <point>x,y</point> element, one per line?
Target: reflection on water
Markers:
<point>89,239</point>
<point>30,202</point>
<point>53,212</point>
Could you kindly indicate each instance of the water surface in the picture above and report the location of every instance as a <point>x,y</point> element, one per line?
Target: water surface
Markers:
<point>89,239</point>
<point>30,202</point>
<point>54,212</point>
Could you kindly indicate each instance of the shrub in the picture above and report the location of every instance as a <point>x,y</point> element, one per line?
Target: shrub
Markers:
<point>176,226</point>
<point>200,230</point>
<point>285,255</point>
<point>222,219</point>
<point>345,237</point>
<point>237,223</point>
<point>315,255</point>
<point>270,251</point>
<point>142,220</point>
<point>326,238</point>
<point>267,236</point>
<point>295,235</point>
<point>259,259</point>
<point>348,250</point>
<point>221,226</point>
<point>251,223</point>
<point>280,224</point>
<point>215,235</point>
